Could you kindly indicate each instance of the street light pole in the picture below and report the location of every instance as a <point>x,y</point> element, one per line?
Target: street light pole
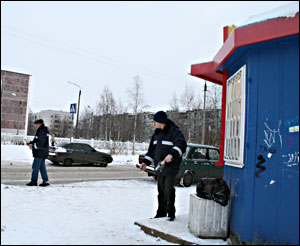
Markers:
<point>203,124</point>
<point>77,107</point>
<point>92,121</point>
<point>18,122</point>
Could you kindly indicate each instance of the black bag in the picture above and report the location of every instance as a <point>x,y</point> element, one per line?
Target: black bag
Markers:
<point>213,189</point>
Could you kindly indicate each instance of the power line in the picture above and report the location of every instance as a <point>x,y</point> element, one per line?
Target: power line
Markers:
<point>85,53</point>
<point>17,33</point>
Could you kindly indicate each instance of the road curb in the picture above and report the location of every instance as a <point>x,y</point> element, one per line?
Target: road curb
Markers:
<point>162,235</point>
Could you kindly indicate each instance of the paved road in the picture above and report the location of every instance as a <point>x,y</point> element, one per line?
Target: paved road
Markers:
<point>19,173</point>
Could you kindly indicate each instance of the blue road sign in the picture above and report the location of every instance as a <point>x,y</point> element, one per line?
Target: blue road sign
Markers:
<point>73,108</point>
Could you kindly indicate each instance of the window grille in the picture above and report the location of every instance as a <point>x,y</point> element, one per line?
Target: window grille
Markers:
<point>235,119</point>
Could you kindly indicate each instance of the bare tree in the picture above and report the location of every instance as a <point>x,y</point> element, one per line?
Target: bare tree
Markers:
<point>214,96</point>
<point>187,98</point>
<point>65,127</point>
<point>85,123</point>
<point>120,110</point>
<point>174,103</point>
<point>136,104</point>
<point>214,104</point>
<point>106,108</point>
<point>188,101</point>
<point>198,101</point>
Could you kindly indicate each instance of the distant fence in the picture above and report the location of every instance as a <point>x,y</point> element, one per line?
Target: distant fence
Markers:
<point>113,147</point>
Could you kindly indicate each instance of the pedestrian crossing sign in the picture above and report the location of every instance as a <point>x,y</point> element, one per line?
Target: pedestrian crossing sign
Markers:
<point>73,108</point>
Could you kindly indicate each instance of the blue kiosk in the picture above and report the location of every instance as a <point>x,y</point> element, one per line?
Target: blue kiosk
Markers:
<point>258,69</point>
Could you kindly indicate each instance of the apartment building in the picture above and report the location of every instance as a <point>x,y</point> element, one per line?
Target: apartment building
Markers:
<point>60,123</point>
<point>14,102</point>
<point>120,127</point>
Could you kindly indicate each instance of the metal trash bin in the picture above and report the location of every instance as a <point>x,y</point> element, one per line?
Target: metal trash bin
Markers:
<point>208,219</point>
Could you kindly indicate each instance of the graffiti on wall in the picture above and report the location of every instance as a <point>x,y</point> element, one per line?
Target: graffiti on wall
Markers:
<point>291,158</point>
<point>272,135</point>
<point>270,151</point>
<point>291,122</point>
<point>259,165</point>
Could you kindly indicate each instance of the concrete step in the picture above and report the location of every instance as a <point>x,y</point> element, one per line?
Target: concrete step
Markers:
<point>176,231</point>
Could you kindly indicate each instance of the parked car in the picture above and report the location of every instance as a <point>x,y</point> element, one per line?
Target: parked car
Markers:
<point>69,153</point>
<point>197,162</point>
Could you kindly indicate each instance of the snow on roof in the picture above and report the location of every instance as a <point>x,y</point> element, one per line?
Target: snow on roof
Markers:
<point>288,10</point>
<point>15,70</point>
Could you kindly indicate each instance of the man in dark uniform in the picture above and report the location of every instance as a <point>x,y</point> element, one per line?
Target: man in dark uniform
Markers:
<point>40,150</point>
<point>166,148</point>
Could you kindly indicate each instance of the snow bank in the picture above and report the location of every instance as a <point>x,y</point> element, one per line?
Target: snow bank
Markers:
<point>22,153</point>
<point>17,153</point>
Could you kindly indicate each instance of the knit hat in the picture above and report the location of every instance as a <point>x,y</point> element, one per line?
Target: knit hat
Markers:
<point>39,121</point>
<point>161,117</point>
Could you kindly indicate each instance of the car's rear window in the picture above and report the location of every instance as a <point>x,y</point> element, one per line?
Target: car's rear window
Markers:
<point>62,144</point>
<point>87,148</point>
<point>214,154</point>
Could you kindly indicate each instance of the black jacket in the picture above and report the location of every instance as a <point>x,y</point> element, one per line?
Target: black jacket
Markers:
<point>170,140</point>
<point>40,142</point>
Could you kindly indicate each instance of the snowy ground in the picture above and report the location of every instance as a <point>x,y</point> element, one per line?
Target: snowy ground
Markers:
<point>86,213</point>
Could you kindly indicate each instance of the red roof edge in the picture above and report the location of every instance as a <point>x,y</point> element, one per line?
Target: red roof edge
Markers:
<point>247,35</point>
<point>206,71</point>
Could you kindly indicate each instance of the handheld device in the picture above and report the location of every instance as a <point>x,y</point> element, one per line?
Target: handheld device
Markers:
<point>160,166</point>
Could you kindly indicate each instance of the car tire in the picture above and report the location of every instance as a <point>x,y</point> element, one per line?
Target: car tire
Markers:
<point>68,162</point>
<point>187,179</point>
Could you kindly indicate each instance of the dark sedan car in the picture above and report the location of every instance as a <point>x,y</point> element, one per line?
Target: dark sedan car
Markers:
<point>69,153</point>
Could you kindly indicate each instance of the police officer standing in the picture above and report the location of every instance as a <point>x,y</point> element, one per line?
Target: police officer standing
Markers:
<point>166,148</point>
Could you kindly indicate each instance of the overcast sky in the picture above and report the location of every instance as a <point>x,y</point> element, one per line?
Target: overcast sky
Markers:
<point>97,44</point>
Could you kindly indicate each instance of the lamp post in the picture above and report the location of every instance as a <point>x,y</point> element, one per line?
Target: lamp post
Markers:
<point>78,106</point>
<point>203,126</point>
<point>92,128</point>
<point>18,122</point>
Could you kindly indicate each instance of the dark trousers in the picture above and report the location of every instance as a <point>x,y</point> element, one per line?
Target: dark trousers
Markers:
<point>39,165</point>
<point>166,196</point>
